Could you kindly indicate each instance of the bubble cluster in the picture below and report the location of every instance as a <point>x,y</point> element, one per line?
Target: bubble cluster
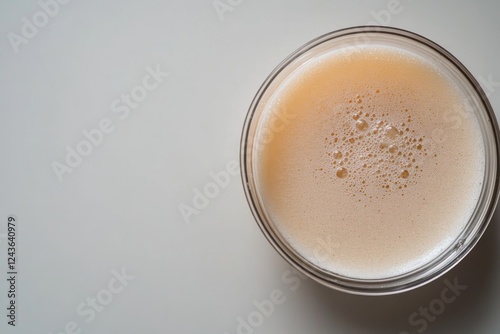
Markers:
<point>368,150</point>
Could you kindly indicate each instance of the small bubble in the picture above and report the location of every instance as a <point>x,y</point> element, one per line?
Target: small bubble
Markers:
<point>341,172</point>
<point>361,125</point>
<point>383,146</point>
<point>419,147</point>
<point>393,148</point>
<point>405,174</point>
<point>337,154</point>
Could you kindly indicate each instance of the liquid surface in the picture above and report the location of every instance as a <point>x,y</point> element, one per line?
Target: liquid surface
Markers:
<point>369,162</point>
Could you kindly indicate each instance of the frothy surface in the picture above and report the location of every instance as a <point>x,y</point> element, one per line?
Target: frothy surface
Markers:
<point>370,161</point>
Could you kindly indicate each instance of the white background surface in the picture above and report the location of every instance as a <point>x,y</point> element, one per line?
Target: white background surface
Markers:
<point>119,208</point>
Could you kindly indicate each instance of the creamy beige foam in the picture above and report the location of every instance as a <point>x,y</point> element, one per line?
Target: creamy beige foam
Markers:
<point>369,161</point>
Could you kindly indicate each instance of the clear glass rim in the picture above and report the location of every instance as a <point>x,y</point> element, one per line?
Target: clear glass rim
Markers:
<point>420,276</point>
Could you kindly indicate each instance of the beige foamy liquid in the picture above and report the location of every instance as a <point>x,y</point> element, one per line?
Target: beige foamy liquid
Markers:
<point>370,161</point>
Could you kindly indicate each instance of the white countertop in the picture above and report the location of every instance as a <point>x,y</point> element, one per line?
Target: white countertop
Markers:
<point>102,246</point>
